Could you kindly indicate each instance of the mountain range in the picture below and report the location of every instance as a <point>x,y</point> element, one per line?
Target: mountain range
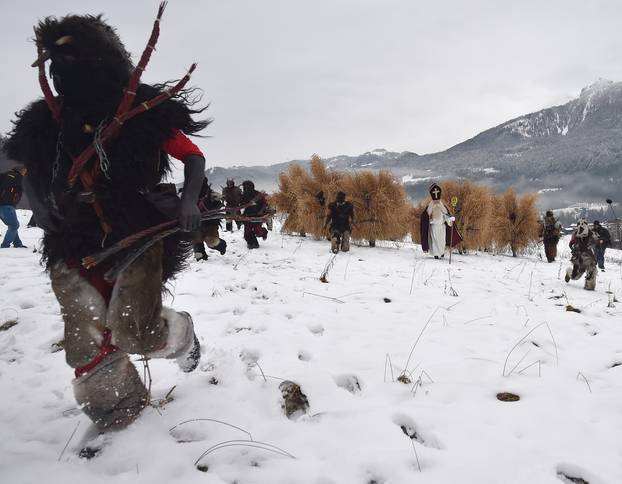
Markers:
<point>569,153</point>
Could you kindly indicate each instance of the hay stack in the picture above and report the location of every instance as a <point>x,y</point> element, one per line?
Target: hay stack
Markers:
<point>473,212</point>
<point>311,211</point>
<point>380,204</point>
<point>515,222</point>
<point>415,221</point>
<point>286,199</point>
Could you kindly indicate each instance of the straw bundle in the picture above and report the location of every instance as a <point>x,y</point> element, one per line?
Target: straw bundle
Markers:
<point>515,221</point>
<point>473,212</point>
<point>380,204</point>
<point>415,220</point>
<point>309,188</point>
<point>286,200</point>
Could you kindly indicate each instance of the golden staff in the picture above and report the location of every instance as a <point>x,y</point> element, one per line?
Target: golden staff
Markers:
<point>454,202</point>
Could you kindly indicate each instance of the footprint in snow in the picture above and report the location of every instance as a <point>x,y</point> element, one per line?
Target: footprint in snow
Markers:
<point>243,329</point>
<point>304,355</point>
<point>412,431</point>
<point>250,356</point>
<point>573,474</point>
<point>349,382</point>
<point>192,431</point>
<point>316,329</point>
<point>375,480</point>
<point>13,356</point>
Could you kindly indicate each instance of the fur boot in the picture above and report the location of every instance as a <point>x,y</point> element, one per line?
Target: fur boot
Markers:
<point>112,394</point>
<point>181,343</point>
<point>583,262</point>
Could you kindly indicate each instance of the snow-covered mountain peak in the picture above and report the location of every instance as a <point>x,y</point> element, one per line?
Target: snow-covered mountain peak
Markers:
<point>598,87</point>
<point>562,120</point>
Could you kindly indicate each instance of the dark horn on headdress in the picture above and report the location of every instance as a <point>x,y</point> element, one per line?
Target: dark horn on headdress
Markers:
<point>45,55</point>
<point>65,39</point>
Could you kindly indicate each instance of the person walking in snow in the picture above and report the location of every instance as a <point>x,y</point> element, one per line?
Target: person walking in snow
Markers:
<point>583,259</point>
<point>437,225</point>
<point>603,240</point>
<point>550,232</point>
<point>10,195</point>
<point>339,221</point>
<point>208,233</point>
<point>95,152</point>
<point>232,195</point>
<point>256,207</point>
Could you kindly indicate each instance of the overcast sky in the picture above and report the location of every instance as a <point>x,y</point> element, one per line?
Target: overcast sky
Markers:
<point>289,78</point>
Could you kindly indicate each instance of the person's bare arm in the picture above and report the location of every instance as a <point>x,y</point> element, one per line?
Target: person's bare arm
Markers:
<point>189,214</point>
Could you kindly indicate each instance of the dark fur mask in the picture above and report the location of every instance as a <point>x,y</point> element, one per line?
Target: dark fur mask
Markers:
<point>88,58</point>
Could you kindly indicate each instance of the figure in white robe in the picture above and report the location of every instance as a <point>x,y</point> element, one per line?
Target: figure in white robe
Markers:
<point>437,229</point>
<point>437,234</point>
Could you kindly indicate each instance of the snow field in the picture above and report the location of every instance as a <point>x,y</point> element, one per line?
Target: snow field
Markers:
<point>266,311</point>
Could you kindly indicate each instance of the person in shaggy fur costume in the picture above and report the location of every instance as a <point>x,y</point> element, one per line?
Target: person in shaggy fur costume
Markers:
<point>95,152</point>
<point>583,260</point>
<point>208,234</point>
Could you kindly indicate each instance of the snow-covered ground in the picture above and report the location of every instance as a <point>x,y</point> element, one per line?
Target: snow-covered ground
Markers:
<point>266,311</point>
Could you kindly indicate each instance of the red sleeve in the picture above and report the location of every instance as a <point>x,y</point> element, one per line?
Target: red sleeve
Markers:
<point>179,146</point>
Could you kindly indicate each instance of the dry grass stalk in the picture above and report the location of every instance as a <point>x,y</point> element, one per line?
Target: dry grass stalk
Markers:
<point>523,339</point>
<point>387,359</point>
<point>581,375</point>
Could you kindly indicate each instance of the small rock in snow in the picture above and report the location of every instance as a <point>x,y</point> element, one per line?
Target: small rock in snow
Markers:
<point>8,324</point>
<point>507,397</point>
<point>295,403</point>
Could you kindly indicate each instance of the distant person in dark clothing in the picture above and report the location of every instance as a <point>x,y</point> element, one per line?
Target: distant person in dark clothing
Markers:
<point>339,221</point>
<point>232,196</point>
<point>10,195</point>
<point>603,240</point>
<point>257,204</point>
<point>550,231</point>
<point>208,231</point>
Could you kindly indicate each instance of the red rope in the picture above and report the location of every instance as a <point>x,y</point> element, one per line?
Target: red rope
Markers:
<point>130,91</point>
<point>105,349</point>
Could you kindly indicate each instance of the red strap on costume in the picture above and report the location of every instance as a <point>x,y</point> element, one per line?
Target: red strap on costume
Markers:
<point>105,349</point>
<point>94,276</point>
<point>180,147</point>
